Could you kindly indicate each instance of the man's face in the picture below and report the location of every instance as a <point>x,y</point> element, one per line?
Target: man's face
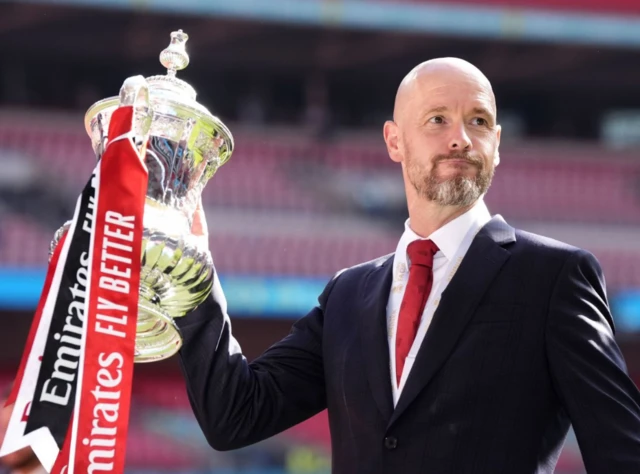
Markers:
<point>449,139</point>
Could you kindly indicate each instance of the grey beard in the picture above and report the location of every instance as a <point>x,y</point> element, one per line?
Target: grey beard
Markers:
<point>460,191</point>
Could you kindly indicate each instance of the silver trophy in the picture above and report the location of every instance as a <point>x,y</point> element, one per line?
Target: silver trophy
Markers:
<point>187,145</point>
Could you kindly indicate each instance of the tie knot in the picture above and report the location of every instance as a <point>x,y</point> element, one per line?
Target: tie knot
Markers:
<point>421,252</point>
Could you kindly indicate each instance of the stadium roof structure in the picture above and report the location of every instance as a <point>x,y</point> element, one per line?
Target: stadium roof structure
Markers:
<point>596,22</point>
<point>511,38</point>
<point>102,42</point>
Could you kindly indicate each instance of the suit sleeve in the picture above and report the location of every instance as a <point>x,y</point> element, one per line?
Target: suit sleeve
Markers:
<point>238,403</point>
<point>589,372</point>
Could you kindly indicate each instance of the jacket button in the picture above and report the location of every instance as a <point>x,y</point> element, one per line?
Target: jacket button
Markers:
<point>391,442</point>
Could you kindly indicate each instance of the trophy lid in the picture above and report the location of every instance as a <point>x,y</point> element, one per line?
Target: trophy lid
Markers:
<point>169,96</point>
<point>174,58</point>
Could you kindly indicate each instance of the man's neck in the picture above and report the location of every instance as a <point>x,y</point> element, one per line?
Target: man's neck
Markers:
<point>427,217</point>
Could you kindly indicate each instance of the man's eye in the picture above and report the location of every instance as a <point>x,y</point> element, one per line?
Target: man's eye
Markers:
<point>480,121</point>
<point>437,119</point>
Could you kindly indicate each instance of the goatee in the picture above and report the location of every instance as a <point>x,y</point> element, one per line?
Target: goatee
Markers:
<point>457,191</point>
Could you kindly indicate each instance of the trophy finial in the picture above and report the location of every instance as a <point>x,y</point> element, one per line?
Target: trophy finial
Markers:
<point>175,57</point>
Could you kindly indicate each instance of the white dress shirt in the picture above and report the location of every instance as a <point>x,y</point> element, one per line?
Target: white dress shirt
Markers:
<point>453,240</point>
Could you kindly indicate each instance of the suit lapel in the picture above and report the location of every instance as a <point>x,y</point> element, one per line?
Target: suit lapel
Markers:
<point>478,269</point>
<point>373,335</point>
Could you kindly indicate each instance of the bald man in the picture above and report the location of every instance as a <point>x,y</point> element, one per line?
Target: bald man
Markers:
<point>470,349</point>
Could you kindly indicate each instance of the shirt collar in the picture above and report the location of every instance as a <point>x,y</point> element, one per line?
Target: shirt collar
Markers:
<point>448,237</point>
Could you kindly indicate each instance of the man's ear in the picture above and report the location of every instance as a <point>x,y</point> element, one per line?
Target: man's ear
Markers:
<point>391,134</point>
<point>496,158</point>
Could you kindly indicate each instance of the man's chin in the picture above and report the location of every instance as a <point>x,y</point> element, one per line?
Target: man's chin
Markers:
<point>455,176</point>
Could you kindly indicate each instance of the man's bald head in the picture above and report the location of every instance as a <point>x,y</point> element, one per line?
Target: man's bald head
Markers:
<point>437,71</point>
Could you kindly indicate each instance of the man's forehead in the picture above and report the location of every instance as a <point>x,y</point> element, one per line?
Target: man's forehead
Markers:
<point>480,105</point>
<point>459,85</point>
<point>454,96</point>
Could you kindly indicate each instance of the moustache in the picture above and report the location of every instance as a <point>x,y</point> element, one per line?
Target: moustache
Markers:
<point>459,156</point>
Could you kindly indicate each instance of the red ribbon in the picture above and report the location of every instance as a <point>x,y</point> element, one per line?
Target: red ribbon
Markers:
<point>13,395</point>
<point>101,415</point>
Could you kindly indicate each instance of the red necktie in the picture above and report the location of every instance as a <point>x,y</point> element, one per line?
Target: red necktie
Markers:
<point>420,254</point>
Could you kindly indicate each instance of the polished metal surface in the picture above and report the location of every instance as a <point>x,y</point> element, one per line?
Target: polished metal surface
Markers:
<point>186,146</point>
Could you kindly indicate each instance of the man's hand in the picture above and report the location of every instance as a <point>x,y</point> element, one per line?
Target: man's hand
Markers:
<point>57,237</point>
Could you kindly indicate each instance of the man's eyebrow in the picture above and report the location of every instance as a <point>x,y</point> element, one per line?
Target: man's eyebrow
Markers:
<point>437,109</point>
<point>443,108</point>
<point>433,110</point>
<point>482,111</point>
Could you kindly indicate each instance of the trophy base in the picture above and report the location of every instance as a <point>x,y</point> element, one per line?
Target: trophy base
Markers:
<point>157,335</point>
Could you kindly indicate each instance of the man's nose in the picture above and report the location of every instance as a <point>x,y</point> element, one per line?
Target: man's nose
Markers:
<point>460,140</point>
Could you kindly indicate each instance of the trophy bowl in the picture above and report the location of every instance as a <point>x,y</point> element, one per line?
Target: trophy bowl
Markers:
<point>186,146</point>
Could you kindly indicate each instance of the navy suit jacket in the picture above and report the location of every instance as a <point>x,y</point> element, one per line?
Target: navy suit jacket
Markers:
<point>520,347</point>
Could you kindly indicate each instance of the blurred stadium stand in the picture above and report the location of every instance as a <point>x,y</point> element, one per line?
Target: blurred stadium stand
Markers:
<point>305,86</point>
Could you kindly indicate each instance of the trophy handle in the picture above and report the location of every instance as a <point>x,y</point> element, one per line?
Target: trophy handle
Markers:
<point>135,92</point>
